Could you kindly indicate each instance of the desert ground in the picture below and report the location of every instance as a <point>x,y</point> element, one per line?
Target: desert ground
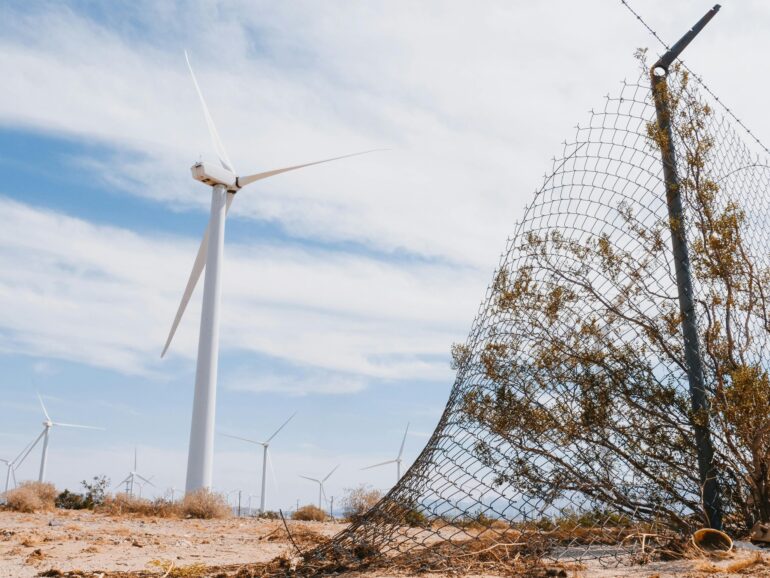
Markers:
<point>82,543</point>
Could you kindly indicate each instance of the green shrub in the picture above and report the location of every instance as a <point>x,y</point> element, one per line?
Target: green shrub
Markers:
<point>71,501</point>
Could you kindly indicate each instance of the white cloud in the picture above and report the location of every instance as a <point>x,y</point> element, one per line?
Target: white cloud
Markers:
<point>104,296</point>
<point>473,103</point>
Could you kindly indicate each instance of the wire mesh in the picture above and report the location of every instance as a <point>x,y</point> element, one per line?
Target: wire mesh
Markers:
<point>567,436</point>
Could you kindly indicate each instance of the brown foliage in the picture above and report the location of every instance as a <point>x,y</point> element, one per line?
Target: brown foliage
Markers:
<point>123,504</point>
<point>309,513</point>
<point>357,501</point>
<point>205,504</point>
<point>32,497</point>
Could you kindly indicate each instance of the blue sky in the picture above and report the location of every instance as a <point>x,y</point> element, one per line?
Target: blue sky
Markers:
<point>344,285</point>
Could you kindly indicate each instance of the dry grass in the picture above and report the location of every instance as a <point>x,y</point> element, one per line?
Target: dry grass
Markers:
<point>122,505</point>
<point>171,570</point>
<point>202,504</point>
<point>206,505</point>
<point>32,497</point>
<point>309,513</point>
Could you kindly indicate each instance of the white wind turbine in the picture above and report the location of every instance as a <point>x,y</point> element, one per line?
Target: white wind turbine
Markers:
<point>10,473</point>
<point>132,478</point>
<point>13,464</point>
<point>265,444</point>
<point>321,492</point>
<point>44,435</point>
<point>397,461</point>
<point>225,183</point>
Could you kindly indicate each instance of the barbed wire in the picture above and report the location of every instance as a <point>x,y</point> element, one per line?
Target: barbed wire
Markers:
<point>699,78</point>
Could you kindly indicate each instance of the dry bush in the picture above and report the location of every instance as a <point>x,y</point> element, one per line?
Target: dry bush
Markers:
<point>31,497</point>
<point>123,504</point>
<point>205,504</point>
<point>358,501</point>
<point>309,513</point>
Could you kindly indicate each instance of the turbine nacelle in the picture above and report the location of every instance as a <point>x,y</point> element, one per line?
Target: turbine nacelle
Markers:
<point>213,175</point>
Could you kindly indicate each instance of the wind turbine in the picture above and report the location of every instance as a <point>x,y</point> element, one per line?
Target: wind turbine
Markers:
<point>397,461</point>
<point>265,444</point>
<point>10,472</point>
<point>132,478</point>
<point>12,465</point>
<point>321,492</point>
<point>225,183</point>
<point>44,435</point>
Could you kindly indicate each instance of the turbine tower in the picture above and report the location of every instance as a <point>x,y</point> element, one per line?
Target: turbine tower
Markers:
<point>265,444</point>
<point>44,435</point>
<point>225,183</point>
<point>321,492</point>
<point>397,461</point>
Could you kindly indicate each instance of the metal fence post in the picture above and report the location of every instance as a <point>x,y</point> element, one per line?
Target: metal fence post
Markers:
<point>699,400</point>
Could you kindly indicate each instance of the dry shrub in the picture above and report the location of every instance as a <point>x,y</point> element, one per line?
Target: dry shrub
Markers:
<point>32,497</point>
<point>205,504</point>
<point>358,501</point>
<point>123,504</point>
<point>309,513</point>
<point>173,571</point>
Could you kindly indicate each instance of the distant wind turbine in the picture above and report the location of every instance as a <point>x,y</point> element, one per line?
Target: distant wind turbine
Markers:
<point>132,478</point>
<point>10,473</point>
<point>44,435</point>
<point>321,492</point>
<point>225,183</point>
<point>397,461</point>
<point>265,444</point>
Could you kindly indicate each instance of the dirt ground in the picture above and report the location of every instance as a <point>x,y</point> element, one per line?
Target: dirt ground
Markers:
<point>93,545</point>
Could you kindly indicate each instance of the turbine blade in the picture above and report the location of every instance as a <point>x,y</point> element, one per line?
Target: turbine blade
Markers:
<point>145,480</point>
<point>267,441</point>
<point>77,426</point>
<point>242,439</point>
<point>330,473</point>
<point>403,441</point>
<point>124,481</point>
<point>218,146</point>
<point>195,275</point>
<point>380,464</point>
<point>18,460</point>
<point>311,479</point>
<point>247,180</point>
<point>48,417</point>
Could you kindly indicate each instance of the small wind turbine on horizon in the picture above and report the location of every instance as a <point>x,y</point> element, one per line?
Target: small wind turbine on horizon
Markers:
<point>14,464</point>
<point>9,473</point>
<point>398,459</point>
<point>132,478</point>
<point>321,491</point>
<point>225,183</point>
<point>265,444</point>
<point>44,435</point>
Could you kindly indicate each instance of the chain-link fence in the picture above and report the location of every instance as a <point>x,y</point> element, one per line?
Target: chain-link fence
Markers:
<point>568,434</point>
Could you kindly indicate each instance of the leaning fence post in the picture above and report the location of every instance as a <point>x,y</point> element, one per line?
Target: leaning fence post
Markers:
<point>698,398</point>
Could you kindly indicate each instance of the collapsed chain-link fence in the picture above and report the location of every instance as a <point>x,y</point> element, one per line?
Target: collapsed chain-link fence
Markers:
<point>568,434</point>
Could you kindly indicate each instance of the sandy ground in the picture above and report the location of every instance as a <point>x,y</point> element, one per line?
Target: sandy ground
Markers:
<point>35,544</point>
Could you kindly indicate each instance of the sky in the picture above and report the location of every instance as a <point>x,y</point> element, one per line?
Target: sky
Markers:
<point>344,285</point>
